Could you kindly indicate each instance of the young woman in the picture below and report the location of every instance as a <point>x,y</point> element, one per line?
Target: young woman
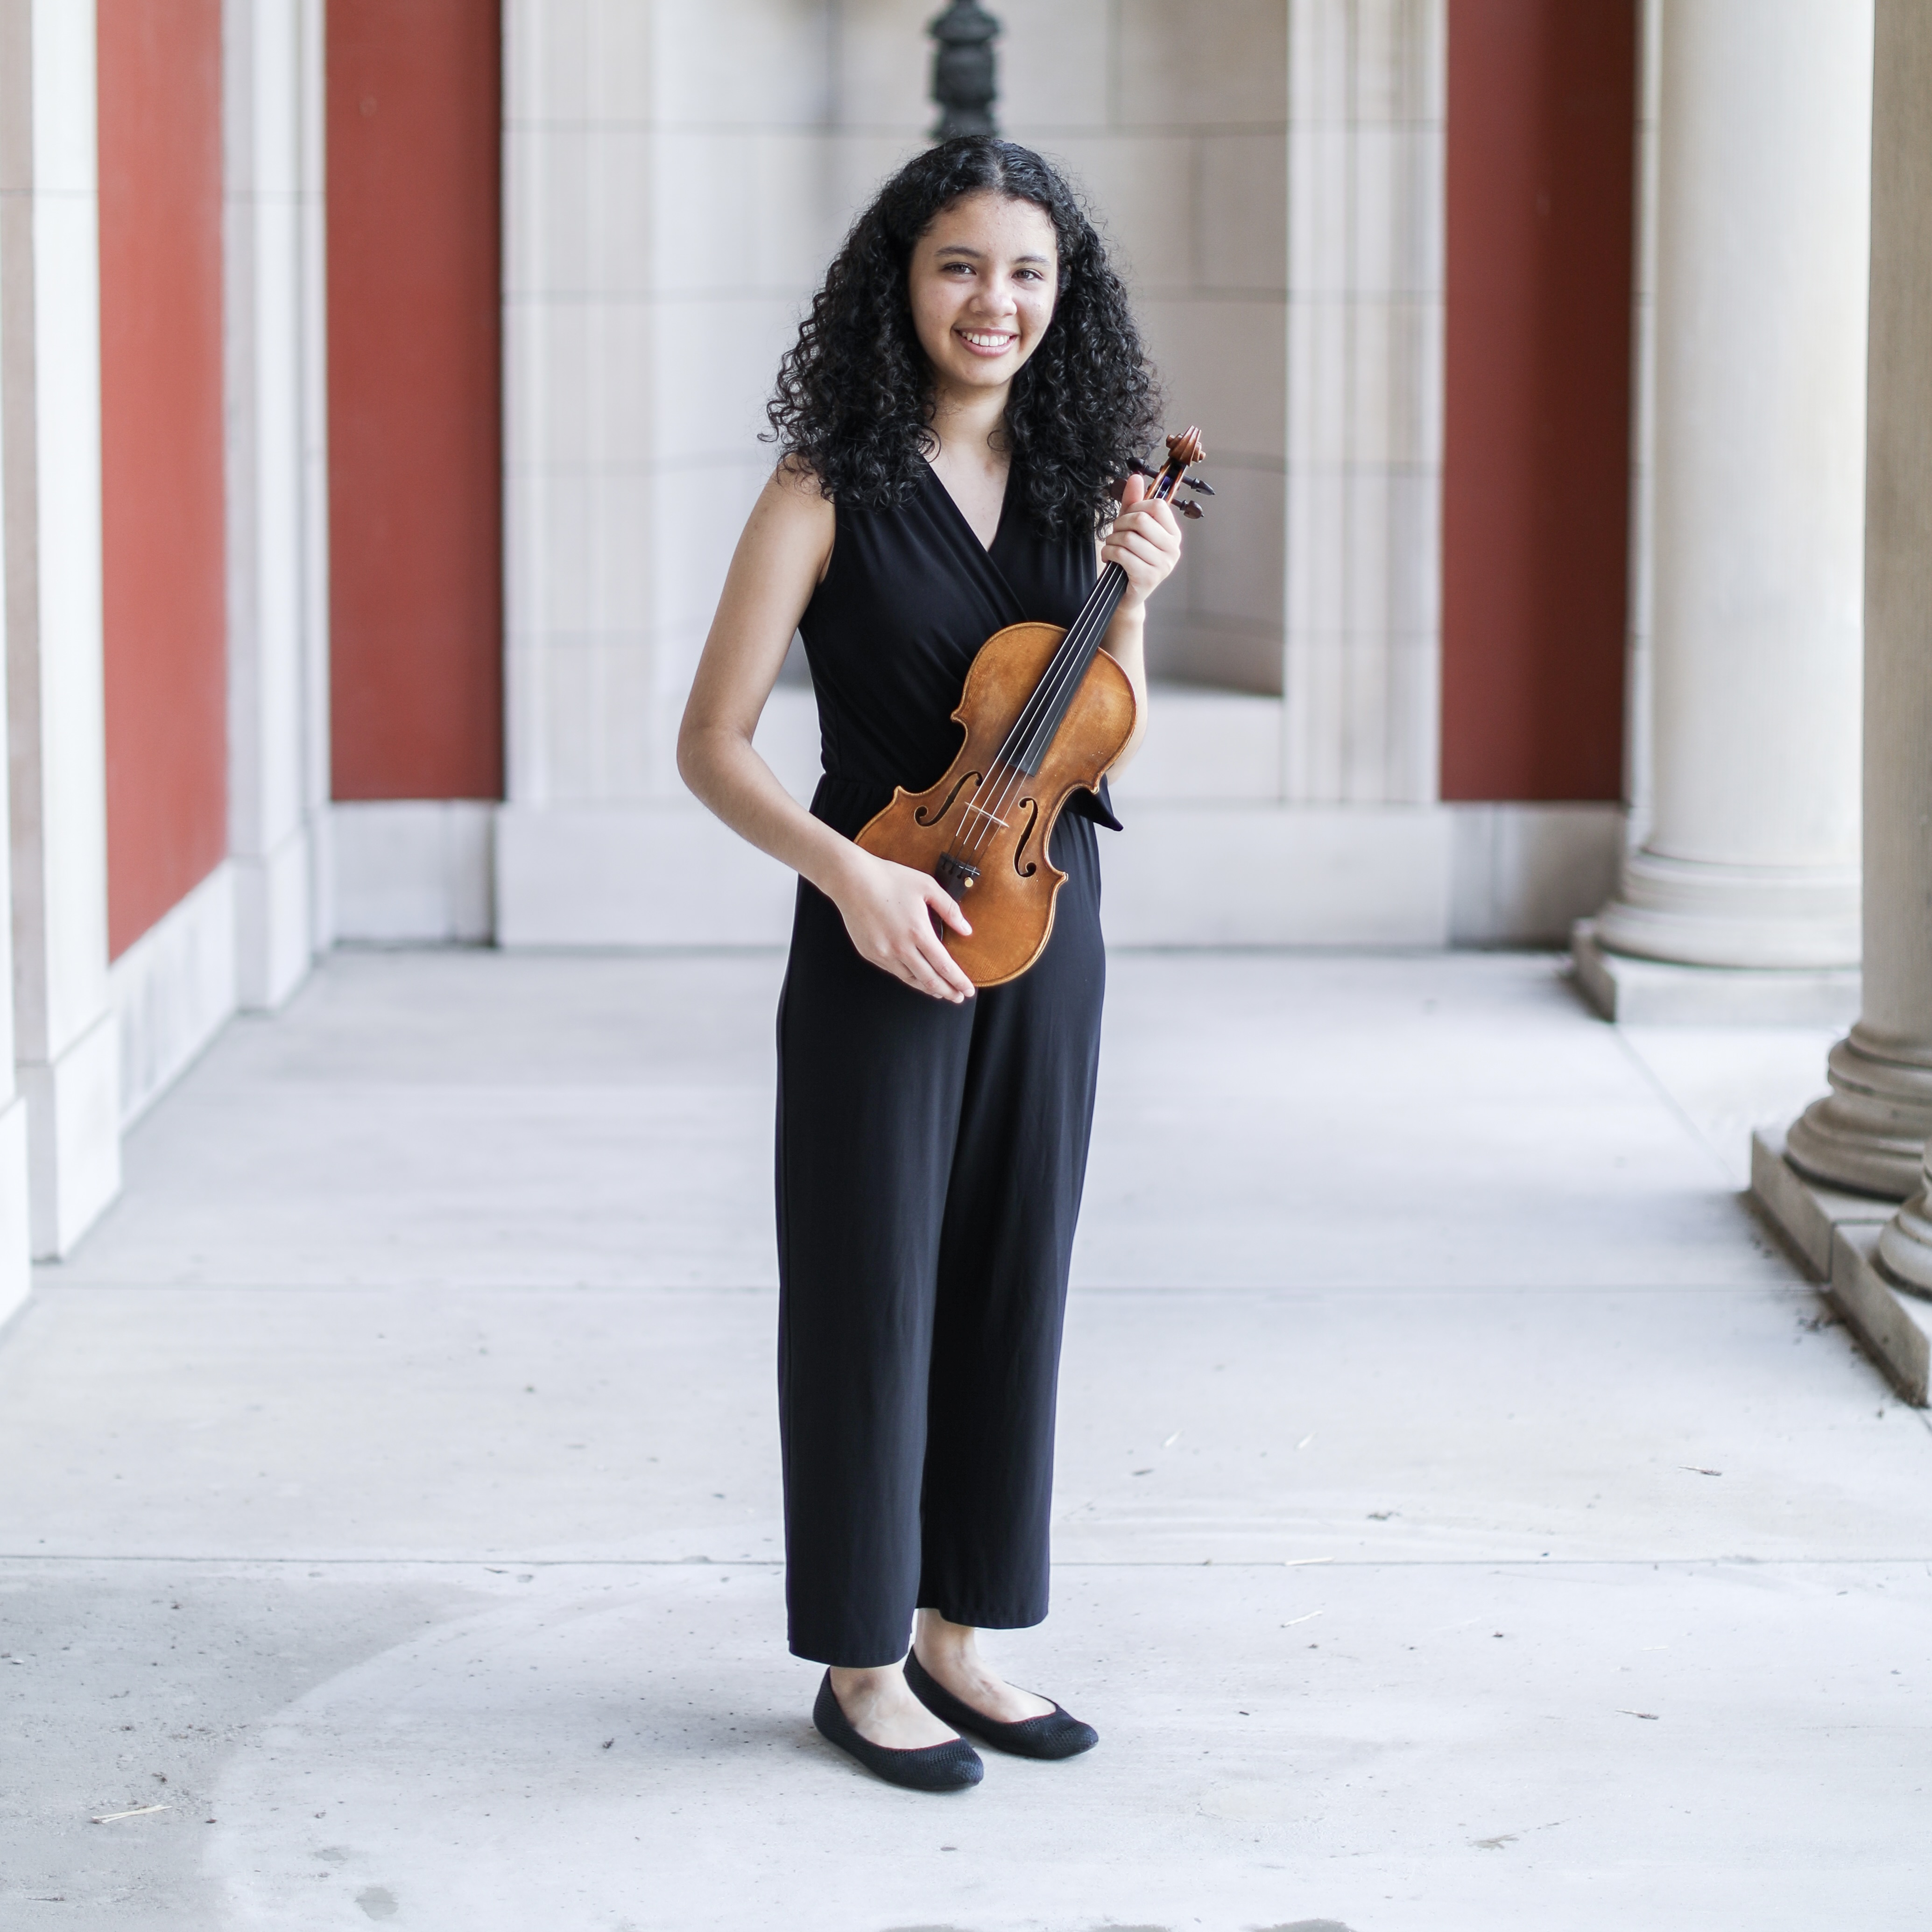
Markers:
<point>968,383</point>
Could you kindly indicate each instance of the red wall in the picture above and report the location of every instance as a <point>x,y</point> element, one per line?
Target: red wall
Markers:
<point>1542,107</point>
<point>162,522</point>
<point>415,439</point>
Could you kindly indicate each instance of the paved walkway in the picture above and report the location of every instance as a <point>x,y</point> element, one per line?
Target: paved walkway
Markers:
<point>1468,1520</point>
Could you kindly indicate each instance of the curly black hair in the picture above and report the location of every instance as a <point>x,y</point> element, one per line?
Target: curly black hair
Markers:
<point>854,400</point>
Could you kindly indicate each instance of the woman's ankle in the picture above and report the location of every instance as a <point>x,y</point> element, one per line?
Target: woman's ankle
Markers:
<point>865,1684</point>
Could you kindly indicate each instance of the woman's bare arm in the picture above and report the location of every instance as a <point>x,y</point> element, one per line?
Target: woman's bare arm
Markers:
<point>887,908</point>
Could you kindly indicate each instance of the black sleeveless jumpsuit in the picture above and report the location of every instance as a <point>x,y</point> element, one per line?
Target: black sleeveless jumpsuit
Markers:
<point>930,1155</point>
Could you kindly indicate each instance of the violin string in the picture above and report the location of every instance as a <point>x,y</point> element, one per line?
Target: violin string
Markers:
<point>1163,486</point>
<point>1003,779</point>
<point>1068,664</point>
<point>1069,660</point>
<point>1074,641</point>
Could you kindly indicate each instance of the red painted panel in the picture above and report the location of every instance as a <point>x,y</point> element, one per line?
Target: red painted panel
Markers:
<point>415,434</point>
<point>1542,111</point>
<point>163,522</point>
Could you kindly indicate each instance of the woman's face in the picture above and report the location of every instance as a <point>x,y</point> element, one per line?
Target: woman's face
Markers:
<point>983,281</point>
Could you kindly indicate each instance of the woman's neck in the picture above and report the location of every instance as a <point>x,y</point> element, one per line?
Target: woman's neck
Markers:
<point>967,426</point>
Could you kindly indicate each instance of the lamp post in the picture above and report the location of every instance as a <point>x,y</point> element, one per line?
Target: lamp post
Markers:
<point>964,83</point>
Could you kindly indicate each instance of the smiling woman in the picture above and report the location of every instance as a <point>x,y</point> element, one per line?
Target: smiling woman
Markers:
<point>968,383</point>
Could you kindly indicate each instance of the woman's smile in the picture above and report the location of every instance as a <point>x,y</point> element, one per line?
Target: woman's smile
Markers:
<point>987,341</point>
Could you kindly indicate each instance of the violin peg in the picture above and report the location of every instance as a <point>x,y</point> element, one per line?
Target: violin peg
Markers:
<point>1136,467</point>
<point>1195,483</point>
<point>1191,510</point>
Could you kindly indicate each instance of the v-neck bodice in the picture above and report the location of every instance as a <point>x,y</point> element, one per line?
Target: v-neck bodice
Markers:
<point>959,509</point>
<point>908,599</point>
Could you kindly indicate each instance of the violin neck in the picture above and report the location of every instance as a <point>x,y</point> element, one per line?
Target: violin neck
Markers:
<point>1068,666</point>
<point>1040,719</point>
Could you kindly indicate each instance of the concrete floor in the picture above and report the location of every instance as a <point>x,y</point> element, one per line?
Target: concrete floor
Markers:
<point>388,1488</point>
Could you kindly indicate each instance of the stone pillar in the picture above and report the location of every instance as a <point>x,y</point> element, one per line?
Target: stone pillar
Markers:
<point>277,616</point>
<point>1750,855</point>
<point>1363,434</point>
<point>1869,1133</point>
<point>65,1038</point>
<point>16,1250</point>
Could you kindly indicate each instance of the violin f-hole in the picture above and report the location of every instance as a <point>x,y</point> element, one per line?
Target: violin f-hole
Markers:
<point>965,778</point>
<point>1030,806</point>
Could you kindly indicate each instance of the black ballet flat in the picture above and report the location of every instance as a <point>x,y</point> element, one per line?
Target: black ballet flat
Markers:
<point>956,1766</point>
<point>1055,1735</point>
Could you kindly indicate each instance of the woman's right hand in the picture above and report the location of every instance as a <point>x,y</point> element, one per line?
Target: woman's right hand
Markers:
<point>889,909</point>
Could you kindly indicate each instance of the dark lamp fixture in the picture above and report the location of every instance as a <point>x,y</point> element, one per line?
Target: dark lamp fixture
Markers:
<point>963,80</point>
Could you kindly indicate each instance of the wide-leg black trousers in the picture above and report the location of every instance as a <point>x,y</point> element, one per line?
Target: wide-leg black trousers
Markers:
<point>930,1161</point>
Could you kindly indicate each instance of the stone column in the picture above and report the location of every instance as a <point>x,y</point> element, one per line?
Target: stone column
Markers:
<point>65,1037</point>
<point>1363,434</point>
<point>275,491</point>
<point>16,1250</point>
<point>1750,855</point>
<point>1869,1133</point>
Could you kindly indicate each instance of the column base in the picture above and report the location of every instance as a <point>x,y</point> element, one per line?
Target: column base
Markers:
<point>16,1255</point>
<point>414,872</point>
<point>74,1137</point>
<point>1869,1133</point>
<point>1837,1235</point>
<point>173,990</point>
<point>273,948</point>
<point>1687,913</point>
<point>1653,992</point>
<point>1905,1244</point>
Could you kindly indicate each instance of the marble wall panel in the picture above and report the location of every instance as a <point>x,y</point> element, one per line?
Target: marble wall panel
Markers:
<point>741,63</point>
<point>880,62</point>
<point>1240,215</point>
<point>1222,363</point>
<point>1201,63</point>
<point>1237,561</point>
<point>1140,188</point>
<point>1056,66</point>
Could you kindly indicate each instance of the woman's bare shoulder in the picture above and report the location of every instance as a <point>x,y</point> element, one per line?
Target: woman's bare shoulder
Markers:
<point>794,515</point>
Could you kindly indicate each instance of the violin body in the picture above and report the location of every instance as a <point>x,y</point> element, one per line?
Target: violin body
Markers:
<point>984,828</point>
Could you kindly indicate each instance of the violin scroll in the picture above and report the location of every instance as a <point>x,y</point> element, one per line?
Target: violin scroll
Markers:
<point>1183,451</point>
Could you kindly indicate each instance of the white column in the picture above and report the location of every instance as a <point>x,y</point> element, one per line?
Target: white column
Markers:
<point>1870,1131</point>
<point>16,1250</point>
<point>65,1040</point>
<point>275,487</point>
<point>1751,857</point>
<point>1367,88</point>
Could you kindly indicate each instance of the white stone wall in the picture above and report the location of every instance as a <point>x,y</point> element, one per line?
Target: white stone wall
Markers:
<point>16,1247</point>
<point>66,1052</point>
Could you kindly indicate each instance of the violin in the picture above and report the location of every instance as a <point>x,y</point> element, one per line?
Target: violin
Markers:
<point>1046,712</point>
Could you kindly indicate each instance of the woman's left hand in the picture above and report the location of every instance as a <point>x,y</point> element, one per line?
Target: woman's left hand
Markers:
<point>1145,541</point>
